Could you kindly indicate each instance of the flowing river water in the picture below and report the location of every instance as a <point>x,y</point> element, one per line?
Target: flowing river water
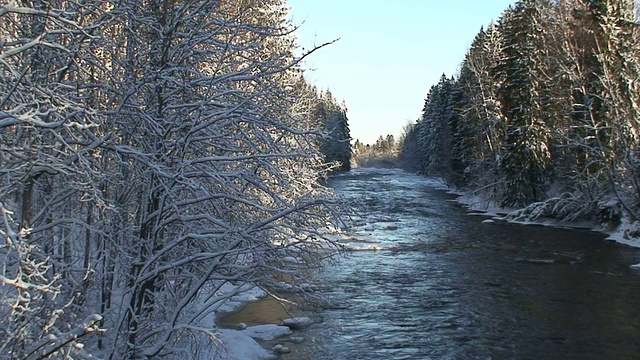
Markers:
<point>446,285</point>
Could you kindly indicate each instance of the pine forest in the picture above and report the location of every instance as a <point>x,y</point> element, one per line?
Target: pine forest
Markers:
<point>544,114</point>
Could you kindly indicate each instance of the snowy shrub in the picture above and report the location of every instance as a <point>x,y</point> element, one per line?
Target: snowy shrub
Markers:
<point>567,207</point>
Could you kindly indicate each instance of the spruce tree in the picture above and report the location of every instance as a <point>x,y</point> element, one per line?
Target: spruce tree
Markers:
<point>481,125</point>
<point>336,145</point>
<point>526,160</point>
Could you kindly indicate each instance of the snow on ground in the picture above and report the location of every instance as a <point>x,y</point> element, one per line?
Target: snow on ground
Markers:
<point>267,331</point>
<point>478,206</point>
<point>623,234</point>
<point>237,345</point>
<point>241,343</point>
<point>244,295</point>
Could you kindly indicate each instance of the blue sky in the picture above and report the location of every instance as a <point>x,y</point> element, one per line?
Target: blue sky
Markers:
<point>389,54</point>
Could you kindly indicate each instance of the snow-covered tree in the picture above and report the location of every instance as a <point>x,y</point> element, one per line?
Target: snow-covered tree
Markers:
<point>336,146</point>
<point>152,151</point>
<point>545,105</point>
<point>481,125</point>
<point>437,128</point>
<point>590,67</point>
<point>49,136</point>
<point>526,159</point>
<point>409,156</point>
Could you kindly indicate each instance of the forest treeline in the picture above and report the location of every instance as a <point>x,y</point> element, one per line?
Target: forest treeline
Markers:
<point>382,153</point>
<point>544,113</point>
<point>150,152</point>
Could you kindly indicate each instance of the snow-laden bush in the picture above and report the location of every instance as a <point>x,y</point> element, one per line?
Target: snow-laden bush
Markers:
<point>29,313</point>
<point>566,207</point>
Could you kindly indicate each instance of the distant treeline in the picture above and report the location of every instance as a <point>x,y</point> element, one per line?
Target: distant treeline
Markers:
<point>383,153</point>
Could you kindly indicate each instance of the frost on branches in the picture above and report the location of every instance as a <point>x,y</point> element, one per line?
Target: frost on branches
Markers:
<point>151,152</point>
<point>28,291</point>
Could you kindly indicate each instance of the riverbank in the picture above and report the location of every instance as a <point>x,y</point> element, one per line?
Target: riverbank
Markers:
<point>253,325</point>
<point>627,232</point>
<point>623,233</point>
<point>235,343</point>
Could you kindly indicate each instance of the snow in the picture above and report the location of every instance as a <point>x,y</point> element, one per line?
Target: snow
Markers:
<point>241,344</point>
<point>622,234</point>
<point>237,345</point>
<point>480,207</point>
<point>297,322</point>
<point>267,331</point>
<point>292,260</point>
<point>244,295</point>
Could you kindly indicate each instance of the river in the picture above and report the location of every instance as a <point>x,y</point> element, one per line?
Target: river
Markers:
<point>446,285</point>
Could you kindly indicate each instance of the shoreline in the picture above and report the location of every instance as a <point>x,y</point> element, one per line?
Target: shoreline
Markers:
<point>259,327</point>
<point>619,235</point>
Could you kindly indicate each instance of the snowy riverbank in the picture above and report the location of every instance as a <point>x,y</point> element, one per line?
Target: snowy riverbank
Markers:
<point>477,206</point>
<point>242,342</point>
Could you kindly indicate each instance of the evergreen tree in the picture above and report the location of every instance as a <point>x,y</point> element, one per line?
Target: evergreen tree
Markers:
<point>409,156</point>
<point>526,160</point>
<point>436,130</point>
<point>545,108</point>
<point>336,146</point>
<point>481,126</point>
<point>617,128</point>
<point>596,69</point>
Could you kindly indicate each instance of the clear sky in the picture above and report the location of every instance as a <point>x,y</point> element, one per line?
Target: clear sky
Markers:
<point>389,54</point>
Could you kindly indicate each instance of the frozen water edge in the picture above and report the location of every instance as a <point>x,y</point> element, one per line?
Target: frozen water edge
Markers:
<point>482,208</point>
<point>621,234</point>
<point>238,344</point>
<point>241,344</point>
